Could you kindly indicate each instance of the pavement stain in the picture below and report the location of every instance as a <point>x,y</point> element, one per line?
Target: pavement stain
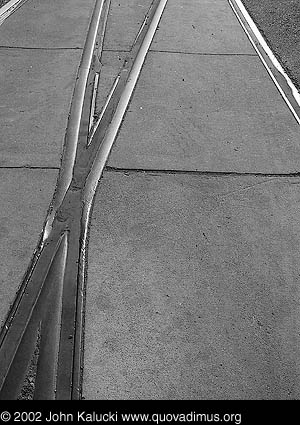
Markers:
<point>4,229</point>
<point>104,301</point>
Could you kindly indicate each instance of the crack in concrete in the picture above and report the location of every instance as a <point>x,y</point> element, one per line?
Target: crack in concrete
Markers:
<point>40,48</point>
<point>184,53</point>
<point>201,173</point>
<point>28,167</point>
<point>203,53</point>
<point>242,189</point>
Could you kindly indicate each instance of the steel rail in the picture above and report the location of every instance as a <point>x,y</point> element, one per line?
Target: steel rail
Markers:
<point>112,131</point>
<point>75,117</point>
<point>9,8</point>
<point>105,131</point>
<point>20,326</point>
<point>47,318</point>
<point>282,81</point>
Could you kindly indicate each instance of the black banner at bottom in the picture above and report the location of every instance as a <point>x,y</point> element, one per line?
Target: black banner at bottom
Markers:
<point>142,411</point>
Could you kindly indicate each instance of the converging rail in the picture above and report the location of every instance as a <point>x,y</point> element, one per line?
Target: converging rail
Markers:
<point>45,323</point>
<point>43,334</point>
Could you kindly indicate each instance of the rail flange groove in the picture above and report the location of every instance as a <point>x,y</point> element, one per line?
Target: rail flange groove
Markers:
<point>50,304</point>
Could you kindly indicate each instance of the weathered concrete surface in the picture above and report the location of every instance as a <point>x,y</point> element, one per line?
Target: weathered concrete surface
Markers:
<point>111,62</point>
<point>205,26</point>
<point>208,113</point>
<point>201,26</point>
<point>193,288</point>
<point>124,21</point>
<point>35,103</point>
<point>193,280</point>
<point>38,68</point>
<point>25,196</point>
<point>48,24</point>
<point>39,65</point>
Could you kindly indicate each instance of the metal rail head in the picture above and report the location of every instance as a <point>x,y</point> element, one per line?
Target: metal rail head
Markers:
<point>44,325</point>
<point>9,8</point>
<point>282,81</point>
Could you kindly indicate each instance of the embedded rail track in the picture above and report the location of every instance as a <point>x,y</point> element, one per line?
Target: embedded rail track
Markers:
<point>8,7</point>
<point>280,78</point>
<point>45,323</point>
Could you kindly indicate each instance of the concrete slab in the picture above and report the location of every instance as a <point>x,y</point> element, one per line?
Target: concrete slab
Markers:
<point>48,24</point>
<point>35,103</point>
<point>111,64</point>
<point>124,21</point>
<point>25,196</point>
<point>193,288</point>
<point>206,26</point>
<point>215,113</point>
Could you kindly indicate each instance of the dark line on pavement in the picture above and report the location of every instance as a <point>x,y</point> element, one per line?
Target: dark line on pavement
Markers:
<point>199,173</point>
<point>40,48</point>
<point>186,53</point>
<point>116,51</point>
<point>28,167</point>
<point>203,53</point>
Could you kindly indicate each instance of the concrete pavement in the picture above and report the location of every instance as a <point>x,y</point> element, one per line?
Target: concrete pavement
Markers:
<point>193,288</point>
<point>193,279</point>
<point>193,262</point>
<point>40,50</point>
